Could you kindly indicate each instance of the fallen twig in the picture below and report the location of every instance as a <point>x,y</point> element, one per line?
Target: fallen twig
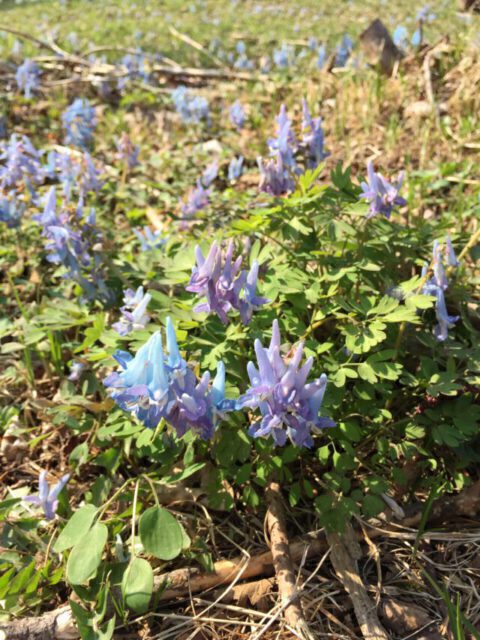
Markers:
<point>195,45</point>
<point>344,555</point>
<point>282,561</point>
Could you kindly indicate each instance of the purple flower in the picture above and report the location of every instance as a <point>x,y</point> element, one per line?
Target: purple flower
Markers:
<point>321,56</point>
<point>134,312</point>
<point>288,403</point>
<point>48,498</point>
<point>28,77</point>
<point>134,67</point>
<point>153,386</point>
<point>192,109</point>
<point>197,199</point>
<point>76,370</point>
<point>79,122</point>
<point>344,49</point>
<point>11,209</point>
<point>283,56</point>
<point>237,115</point>
<point>250,302</point>
<point>275,179</point>
<point>20,164</point>
<point>149,239</point>
<point>437,285</point>
<point>285,142</point>
<point>210,173</point>
<point>218,278</point>
<point>235,168</point>
<point>381,195</point>
<point>313,138</point>
<point>127,151</point>
<point>72,240</point>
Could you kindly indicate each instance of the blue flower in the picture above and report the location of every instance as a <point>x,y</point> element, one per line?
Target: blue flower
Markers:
<point>285,142</point>
<point>237,115</point>
<point>381,195</point>
<point>152,386</point>
<point>20,164</point>
<point>48,498</point>
<point>288,403</point>
<point>28,77</point>
<point>235,168</point>
<point>210,173</point>
<point>283,56</point>
<point>76,370</point>
<point>197,199</point>
<point>11,209</point>
<point>313,138</point>
<point>134,67</point>
<point>127,151</point>
<point>134,312</point>
<point>149,239</point>
<point>275,178</point>
<point>191,108</point>
<point>218,278</point>
<point>438,284</point>
<point>344,49</point>
<point>79,122</point>
<point>73,240</point>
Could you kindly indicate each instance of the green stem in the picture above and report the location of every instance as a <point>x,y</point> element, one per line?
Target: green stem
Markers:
<point>152,487</point>
<point>134,516</point>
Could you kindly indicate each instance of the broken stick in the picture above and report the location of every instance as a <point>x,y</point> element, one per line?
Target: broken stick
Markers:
<point>344,555</point>
<point>283,562</point>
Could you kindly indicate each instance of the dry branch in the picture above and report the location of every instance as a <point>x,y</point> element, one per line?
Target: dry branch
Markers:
<point>282,561</point>
<point>344,558</point>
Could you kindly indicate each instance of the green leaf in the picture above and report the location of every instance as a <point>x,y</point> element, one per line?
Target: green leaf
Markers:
<point>366,372</point>
<point>137,585</point>
<point>86,555</point>
<point>160,533</point>
<point>78,526</point>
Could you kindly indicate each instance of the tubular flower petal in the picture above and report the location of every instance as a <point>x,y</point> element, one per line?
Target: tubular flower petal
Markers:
<point>382,196</point>
<point>152,386</point>
<point>225,287</point>
<point>288,405</point>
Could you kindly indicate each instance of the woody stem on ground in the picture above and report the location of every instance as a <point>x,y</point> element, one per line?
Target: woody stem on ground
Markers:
<point>282,561</point>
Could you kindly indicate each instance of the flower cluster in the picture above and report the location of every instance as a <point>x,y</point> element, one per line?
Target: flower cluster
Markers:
<point>237,115</point>
<point>197,199</point>
<point>235,168</point>
<point>313,138</point>
<point>134,312</point>
<point>218,278</point>
<point>48,498</point>
<point>28,77</point>
<point>73,241</point>
<point>127,151</point>
<point>11,209</point>
<point>149,239</point>
<point>21,165</point>
<point>79,122</point>
<point>134,67</point>
<point>288,155</point>
<point>438,284</point>
<point>153,386</point>
<point>288,403</point>
<point>74,170</point>
<point>191,108</point>
<point>381,195</point>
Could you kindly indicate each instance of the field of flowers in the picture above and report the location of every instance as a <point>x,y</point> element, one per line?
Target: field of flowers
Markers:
<point>239,321</point>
